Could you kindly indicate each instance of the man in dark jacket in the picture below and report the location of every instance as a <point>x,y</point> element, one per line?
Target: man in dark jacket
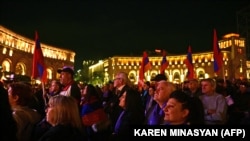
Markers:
<point>121,84</point>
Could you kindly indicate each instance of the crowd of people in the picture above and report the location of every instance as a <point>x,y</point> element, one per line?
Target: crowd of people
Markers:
<point>83,112</point>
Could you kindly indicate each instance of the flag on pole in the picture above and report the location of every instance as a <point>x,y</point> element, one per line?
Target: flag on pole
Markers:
<point>38,68</point>
<point>189,63</point>
<point>218,61</point>
<point>164,62</point>
<point>145,66</point>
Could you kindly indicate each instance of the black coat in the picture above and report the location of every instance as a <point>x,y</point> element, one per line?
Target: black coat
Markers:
<point>8,125</point>
<point>132,114</point>
<point>63,133</point>
<point>113,108</point>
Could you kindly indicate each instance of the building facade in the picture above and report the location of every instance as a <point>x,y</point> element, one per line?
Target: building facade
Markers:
<point>235,65</point>
<point>17,55</point>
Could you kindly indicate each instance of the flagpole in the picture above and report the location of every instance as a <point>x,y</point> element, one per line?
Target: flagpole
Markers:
<point>44,93</point>
<point>218,57</point>
<point>39,68</point>
<point>223,73</point>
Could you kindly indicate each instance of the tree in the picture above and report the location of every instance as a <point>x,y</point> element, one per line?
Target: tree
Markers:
<point>97,78</point>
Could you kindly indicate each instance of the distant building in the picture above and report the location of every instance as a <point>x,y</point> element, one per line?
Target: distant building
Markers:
<point>17,55</point>
<point>235,65</point>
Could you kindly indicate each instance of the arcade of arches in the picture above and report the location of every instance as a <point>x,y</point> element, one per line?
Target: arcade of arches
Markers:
<point>235,65</point>
<point>17,55</point>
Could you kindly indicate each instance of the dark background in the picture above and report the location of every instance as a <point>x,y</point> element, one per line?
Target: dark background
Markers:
<point>101,29</point>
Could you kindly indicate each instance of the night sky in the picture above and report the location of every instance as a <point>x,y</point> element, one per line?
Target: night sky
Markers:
<point>99,29</point>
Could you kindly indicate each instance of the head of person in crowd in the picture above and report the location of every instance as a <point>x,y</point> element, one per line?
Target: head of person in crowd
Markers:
<point>63,110</point>
<point>20,97</point>
<point>193,85</point>
<point>184,86</point>
<point>194,88</point>
<point>111,86</point>
<point>55,87</point>
<point>208,86</point>
<point>158,78</point>
<point>20,94</point>
<point>90,93</point>
<point>66,75</point>
<point>181,109</point>
<point>151,90</point>
<point>130,100</point>
<point>131,103</point>
<point>146,85</point>
<point>121,79</point>
<point>243,87</point>
<point>163,91</point>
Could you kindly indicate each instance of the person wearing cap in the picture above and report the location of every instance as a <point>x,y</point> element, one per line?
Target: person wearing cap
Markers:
<point>158,78</point>
<point>70,87</point>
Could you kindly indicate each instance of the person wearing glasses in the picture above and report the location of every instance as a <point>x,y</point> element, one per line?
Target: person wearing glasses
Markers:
<point>121,84</point>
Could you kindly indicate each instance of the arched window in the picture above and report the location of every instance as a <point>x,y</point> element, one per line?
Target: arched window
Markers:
<point>201,75</point>
<point>20,69</point>
<point>49,73</point>
<point>132,77</point>
<point>176,76</point>
<point>6,66</point>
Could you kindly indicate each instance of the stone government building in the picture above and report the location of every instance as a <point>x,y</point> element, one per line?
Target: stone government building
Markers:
<point>17,54</point>
<point>235,65</point>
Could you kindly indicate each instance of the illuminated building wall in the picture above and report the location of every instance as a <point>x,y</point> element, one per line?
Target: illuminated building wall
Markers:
<point>17,55</point>
<point>235,64</point>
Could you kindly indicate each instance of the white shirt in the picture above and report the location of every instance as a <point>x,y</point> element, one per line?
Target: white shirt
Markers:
<point>66,92</point>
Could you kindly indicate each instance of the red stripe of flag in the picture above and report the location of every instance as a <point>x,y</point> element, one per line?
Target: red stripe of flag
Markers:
<point>218,61</point>
<point>145,66</point>
<point>38,68</point>
<point>164,62</point>
<point>189,63</point>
